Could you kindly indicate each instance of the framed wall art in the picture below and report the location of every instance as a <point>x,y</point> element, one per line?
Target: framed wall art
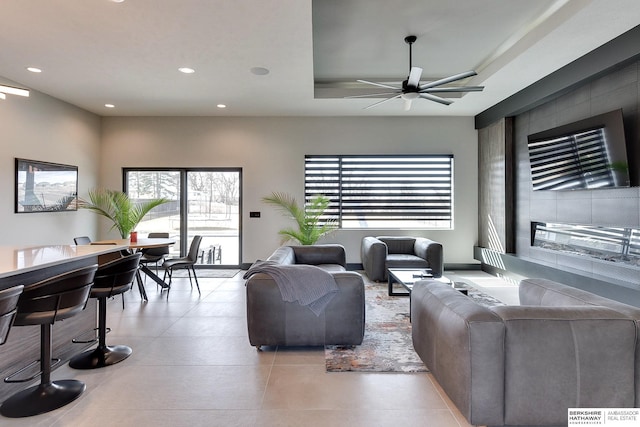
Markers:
<point>45,187</point>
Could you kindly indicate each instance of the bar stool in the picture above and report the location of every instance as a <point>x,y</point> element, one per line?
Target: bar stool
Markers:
<point>112,278</point>
<point>8,303</point>
<point>44,303</point>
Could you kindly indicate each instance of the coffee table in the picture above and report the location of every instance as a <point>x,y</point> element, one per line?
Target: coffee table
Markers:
<point>406,277</point>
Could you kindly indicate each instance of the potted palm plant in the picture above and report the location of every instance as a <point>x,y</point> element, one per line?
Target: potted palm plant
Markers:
<point>311,225</point>
<point>119,208</point>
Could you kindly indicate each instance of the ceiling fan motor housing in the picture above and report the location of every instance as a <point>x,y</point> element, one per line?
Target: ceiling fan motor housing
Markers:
<point>410,39</point>
<point>406,87</point>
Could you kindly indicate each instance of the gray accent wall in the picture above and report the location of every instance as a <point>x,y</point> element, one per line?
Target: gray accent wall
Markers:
<point>604,207</point>
<point>44,128</point>
<point>495,177</point>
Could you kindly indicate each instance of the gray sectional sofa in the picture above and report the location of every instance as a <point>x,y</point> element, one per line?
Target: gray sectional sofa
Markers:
<point>272,321</point>
<point>526,365</point>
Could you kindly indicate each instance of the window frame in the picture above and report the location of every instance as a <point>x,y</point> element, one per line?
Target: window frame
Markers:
<point>421,190</point>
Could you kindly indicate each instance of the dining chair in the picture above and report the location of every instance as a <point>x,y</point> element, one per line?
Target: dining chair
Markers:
<point>184,263</point>
<point>155,255</point>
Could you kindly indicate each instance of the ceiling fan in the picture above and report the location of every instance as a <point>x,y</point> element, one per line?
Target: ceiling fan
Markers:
<point>412,89</point>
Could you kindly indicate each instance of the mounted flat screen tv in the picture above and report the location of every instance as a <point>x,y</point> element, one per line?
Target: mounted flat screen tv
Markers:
<point>45,187</point>
<point>587,154</point>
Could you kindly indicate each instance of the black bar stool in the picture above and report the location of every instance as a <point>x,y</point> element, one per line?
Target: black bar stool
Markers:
<point>44,303</point>
<point>8,303</point>
<point>112,278</point>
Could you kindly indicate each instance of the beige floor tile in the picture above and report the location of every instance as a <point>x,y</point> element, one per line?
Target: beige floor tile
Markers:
<point>180,387</point>
<point>208,326</point>
<point>159,418</point>
<point>401,417</point>
<point>192,365</point>
<point>217,309</point>
<point>311,387</point>
<point>201,351</point>
<point>298,355</point>
<point>139,326</point>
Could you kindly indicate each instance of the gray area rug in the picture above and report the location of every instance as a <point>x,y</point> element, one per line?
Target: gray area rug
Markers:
<point>387,345</point>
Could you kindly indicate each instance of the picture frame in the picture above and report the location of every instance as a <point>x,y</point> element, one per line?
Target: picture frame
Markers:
<point>45,187</point>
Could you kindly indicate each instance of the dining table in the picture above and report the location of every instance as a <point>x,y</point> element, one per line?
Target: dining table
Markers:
<point>141,244</point>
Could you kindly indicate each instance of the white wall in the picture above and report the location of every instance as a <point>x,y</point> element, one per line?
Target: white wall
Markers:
<point>46,129</point>
<point>271,152</point>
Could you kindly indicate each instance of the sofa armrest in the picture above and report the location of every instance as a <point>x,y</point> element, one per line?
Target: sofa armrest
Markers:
<point>373,253</point>
<point>432,252</point>
<point>565,357</point>
<point>320,254</point>
<point>272,321</point>
<point>460,342</point>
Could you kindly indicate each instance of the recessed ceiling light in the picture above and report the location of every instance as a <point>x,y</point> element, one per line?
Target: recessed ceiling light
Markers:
<point>117,1</point>
<point>186,70</point>
<point>34,69</point>
<point>259,71</point>
<point>221,106</point>
<point>109,105</point>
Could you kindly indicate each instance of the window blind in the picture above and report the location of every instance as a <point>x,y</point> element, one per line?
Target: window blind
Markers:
<point>371,191</point>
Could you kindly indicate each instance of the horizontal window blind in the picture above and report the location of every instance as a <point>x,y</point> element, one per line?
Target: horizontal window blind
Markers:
<point>371,191</point>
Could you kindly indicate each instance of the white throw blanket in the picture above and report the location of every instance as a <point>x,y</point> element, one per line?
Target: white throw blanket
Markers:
<point>309,285</point>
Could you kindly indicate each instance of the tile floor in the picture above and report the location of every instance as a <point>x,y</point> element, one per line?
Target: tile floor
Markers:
<point>193,366</point>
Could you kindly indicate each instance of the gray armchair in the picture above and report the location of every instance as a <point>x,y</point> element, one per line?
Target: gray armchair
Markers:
<point>383,252</point>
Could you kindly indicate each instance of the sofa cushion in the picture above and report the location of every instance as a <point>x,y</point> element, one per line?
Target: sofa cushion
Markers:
<point>398,244</point>
<point>565,357</point>
<point>320,254</point>
<point>332,268</point>
<point>549,293</point>
<point>542,292</point>
<point>405,261</point>
<point>283,255</point>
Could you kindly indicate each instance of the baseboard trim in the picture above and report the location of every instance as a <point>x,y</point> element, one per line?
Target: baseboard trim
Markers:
<point>447,266</point>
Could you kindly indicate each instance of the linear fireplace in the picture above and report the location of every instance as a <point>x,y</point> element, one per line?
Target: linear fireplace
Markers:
<point>614,244</point>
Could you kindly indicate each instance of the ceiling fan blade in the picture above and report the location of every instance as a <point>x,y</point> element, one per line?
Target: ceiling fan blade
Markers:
<point>372,95</point>
<point>453,89</point>
<point>383,101</point>
<point>414,76</point>
<point>378,84</point>
<point>407,104</point>
<point>448,79</point>
<point>436,99</point>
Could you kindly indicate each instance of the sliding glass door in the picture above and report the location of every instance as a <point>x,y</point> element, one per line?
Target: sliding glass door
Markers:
<point>204,201</point>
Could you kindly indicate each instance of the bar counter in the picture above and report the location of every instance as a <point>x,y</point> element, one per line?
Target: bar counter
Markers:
<point>26,265</point>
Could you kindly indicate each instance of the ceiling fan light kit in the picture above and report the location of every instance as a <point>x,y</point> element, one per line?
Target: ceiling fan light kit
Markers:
<point>412,89</point>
